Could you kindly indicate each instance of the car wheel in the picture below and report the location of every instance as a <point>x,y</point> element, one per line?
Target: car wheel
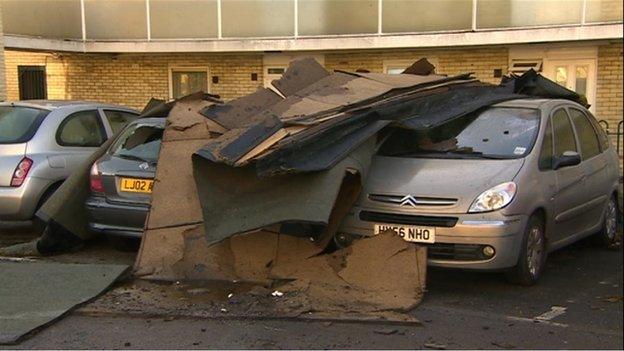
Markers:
<point>532,259</point>
<point>609,234</point>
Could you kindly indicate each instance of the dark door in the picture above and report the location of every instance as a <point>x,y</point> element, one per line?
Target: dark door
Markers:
<point>32,82</point>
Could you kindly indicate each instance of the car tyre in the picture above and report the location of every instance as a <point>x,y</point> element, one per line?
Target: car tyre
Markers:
<point>532,259</point>
<point>609,235</point>
<point>124,244</point>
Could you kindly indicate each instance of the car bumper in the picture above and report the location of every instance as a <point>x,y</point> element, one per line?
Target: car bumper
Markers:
<point>126,220</point>
<point>19,204</point>
<point>461,245</point>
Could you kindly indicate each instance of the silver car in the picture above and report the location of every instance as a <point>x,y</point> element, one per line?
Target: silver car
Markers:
<point>495,191</point>
<point>42,142</point>
<point>122,180</point>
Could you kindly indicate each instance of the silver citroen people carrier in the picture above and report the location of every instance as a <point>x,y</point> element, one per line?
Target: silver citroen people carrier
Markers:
<point>42,142</point>
<point>496,190</point>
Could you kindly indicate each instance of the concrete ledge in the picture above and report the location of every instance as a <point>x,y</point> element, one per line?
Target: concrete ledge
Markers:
<point>386,41</point>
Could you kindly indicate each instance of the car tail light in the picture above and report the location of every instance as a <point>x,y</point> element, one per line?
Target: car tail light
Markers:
<point>21,171</point>
<point>95,179</point>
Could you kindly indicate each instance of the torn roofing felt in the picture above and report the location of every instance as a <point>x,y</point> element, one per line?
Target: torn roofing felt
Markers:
<point>320,117</point>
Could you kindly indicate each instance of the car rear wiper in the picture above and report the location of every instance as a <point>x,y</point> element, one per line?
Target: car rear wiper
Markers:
<point>134,158</point>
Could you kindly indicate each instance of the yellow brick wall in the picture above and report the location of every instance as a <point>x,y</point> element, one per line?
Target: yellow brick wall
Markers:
<point>2,79</point>
<point>129,79</point>
<point>481,61</point>
<point>609,86</point>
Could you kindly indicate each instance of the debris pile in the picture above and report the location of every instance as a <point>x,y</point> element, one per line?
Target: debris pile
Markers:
<point>254,189</point>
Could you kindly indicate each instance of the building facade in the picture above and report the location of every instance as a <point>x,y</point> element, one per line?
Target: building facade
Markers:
<point>127,51</point>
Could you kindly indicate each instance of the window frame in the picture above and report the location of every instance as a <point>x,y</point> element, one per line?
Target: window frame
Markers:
<point>71,116</point>
<point>549,123</point>
<point>172,69</point>
<point>578,135</point>
<point>576,141</point>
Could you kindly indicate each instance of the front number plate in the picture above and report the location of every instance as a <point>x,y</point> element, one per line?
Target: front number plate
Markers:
<point>410,233</point>
<point>136,185</point>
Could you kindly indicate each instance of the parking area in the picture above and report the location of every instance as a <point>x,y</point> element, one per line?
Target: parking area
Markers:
<point>577,304</point>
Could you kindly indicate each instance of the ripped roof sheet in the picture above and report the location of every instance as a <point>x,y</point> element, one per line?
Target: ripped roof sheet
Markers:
<point>310,119</point>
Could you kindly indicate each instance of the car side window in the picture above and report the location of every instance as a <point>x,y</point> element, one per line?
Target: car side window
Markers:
<point>586,133</point>
<point>546,153</point>
<point>602,135</point>
<point>563,133</point>
<point>81,129</point>
<point>119,119</point>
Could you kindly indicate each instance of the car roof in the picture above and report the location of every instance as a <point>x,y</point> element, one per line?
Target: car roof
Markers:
<point>57,104</point>
<point>534,103</point>
<point>149,120</point>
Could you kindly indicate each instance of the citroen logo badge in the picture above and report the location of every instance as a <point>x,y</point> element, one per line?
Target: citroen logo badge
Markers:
<point>409,200</point>
<point>144,166</point>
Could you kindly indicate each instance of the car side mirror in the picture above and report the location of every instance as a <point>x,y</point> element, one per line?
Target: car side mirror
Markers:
<point>569,158</point>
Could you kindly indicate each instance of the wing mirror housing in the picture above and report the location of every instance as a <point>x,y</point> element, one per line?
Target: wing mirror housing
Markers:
<point>569,158</point>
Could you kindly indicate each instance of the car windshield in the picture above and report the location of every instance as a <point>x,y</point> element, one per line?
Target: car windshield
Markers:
<point>19,124</point>
<point>139,142</point>
<point>497,133</point>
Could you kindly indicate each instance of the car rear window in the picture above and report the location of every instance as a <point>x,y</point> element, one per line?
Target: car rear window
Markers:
<point>140,142</point>
<point>498,132</point>
<point>19,124</point>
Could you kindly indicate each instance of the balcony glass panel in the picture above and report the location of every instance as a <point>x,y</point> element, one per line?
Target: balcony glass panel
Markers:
<point>119,19</point>
<point>175,19</point>
<point>257,18</point>
<point>603,11</point>
<point>426,15</point>
<point>58,19</point>
<point>329,17</point>
<point>527,13</point>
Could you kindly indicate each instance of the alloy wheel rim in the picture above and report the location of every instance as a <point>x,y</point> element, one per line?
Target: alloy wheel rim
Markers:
<point>535,250</point>
<point>611,220</point>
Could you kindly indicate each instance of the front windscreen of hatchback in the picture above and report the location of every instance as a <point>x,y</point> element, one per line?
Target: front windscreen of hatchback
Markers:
<point>139,142</point>
<point>497,133</point>
<point>19,124</point>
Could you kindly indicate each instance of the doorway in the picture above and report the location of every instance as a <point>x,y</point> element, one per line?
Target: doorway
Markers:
<point>576,75</point>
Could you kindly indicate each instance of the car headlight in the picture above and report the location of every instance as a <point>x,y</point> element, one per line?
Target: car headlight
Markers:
<point>494,198</point>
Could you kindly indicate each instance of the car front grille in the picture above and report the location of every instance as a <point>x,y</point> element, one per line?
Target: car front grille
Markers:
<point>393,218</point>
<point>413,201</point>
<point>456,252</point>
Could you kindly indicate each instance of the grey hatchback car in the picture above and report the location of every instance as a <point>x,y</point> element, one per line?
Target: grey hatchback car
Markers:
<point>122,179</point>
<point>497,190</point>
<point>43,141</point>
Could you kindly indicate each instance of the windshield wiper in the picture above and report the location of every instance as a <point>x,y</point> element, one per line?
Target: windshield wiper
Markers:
<point>477,154</point>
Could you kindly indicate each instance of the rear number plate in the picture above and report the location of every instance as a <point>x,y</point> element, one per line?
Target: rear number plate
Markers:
<point>410,233</point>
<point>136,185</point>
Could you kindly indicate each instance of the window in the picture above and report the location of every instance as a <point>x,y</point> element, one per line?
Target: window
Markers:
<point>32,82</point>
<point>564,135</point>
<point>586,133</point>
<point>19,124</point>
<point>425,15</point>
<point>602,136</point>
<point>185,81</point>
<point>498,133</point>
<point>118,119</point>
<point>82,128</point>
<point>546,154</point>
<point>140,141</point>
